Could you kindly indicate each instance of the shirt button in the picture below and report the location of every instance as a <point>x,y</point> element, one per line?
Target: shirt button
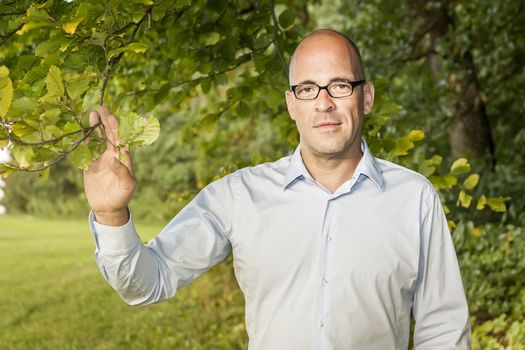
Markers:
<point>328,237</point>
<point>325,281</point>
<point>321,324</point>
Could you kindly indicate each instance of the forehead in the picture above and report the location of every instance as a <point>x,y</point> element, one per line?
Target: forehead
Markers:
<point>322,57</point>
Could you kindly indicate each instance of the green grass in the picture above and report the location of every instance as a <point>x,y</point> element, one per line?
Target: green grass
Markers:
<point>54,297</point>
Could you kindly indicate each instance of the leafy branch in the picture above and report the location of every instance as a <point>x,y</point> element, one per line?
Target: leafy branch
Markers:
<point>17,141</point>
<point>86,132</point>
<point>275,37</point>
<point>11,14</point>
<point>114,60</point>
<point>4,38</point>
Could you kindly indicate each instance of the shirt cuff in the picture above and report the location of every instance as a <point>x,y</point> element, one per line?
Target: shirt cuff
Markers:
<point>114,239</point>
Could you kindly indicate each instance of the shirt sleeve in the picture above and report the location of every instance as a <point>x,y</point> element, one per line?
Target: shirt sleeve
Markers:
<point>440,308</point>
<point>195,240</point>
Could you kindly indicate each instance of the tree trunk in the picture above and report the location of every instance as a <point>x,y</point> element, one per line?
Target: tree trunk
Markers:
<point>471,134</point>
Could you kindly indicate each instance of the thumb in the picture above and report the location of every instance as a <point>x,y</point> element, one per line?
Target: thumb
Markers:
<point>119,169</point>
<point>125,179</point>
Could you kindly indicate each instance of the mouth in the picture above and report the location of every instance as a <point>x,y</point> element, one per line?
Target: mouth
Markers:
<point>327,124</point>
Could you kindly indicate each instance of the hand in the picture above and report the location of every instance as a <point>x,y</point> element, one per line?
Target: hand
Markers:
<point>109,183</point>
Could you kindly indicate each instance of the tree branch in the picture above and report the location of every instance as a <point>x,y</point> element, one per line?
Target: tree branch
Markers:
<point>242,59</point>
<point>250,8</point>
<point>11,14</point>
<point>6,37</point>
<point>275,38</point>
<point>63,154</point>
<point>19,142</point>
<point>113,61</point>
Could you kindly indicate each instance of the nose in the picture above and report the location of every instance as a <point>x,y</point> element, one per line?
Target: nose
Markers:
<point>324,102</point>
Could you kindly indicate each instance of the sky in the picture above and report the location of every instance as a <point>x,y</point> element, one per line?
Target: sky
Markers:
<point>4,156</point>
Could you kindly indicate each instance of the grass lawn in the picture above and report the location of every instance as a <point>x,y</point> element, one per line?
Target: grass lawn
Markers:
<point>54,297</point>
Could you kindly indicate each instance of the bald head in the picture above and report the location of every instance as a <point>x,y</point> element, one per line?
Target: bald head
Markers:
<point>327,39</point>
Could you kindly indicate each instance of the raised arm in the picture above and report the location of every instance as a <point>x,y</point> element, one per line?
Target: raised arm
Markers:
<point>195,240</point>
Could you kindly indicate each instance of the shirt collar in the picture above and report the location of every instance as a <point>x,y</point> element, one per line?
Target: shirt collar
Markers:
<point>367,166</point>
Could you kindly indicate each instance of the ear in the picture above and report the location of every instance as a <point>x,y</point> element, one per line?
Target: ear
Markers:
<point>369,92</point>
<point>290,103</point>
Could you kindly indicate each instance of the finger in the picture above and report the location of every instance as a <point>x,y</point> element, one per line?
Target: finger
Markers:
<point>94,118</point>
<point>113,129</point>
<point>127,160</point>
<point>110,134</point>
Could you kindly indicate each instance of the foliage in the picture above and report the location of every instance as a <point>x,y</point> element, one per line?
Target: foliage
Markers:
<point>499,334</point>
<point>49,87</point>
<point>492,259</point>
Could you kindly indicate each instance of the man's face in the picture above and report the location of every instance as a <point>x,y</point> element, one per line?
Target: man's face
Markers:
<point>328,127</point>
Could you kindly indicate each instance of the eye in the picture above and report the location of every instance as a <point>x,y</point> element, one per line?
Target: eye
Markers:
<point>306,89</point>
<point>341,87</point>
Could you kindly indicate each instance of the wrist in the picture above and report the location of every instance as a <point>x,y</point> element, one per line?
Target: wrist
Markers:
<point>113,218</point>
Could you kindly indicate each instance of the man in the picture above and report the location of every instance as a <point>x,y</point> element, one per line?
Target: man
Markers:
<point>333,248</point>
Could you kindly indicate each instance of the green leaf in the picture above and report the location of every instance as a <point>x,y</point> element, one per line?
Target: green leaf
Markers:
<point>23,155</point>
<point>450,180</point>
<point>482,201</point>
<point>498,203</point>
<point>33,25</point>
<point>77,86</point>
<point>6,91</point>
<point>71,27</point>
<point>44,174</point>
<point>287,18</point>
<point>427,168</point>
<point>403,145</point>
<point>4,72</point>
<point>7,169</point>
<point>460,166</point>
<point>416,135</point>
<point>43,155</point>
<point>21,130</point>
<point>54,84</point>
<point>135,130</point>
<point>51,116</point>
<point>464,199</point>
<point>91,100</point>
<point>24,106</point>
<point>149,130</point>
<point>471,181</point>
<point>438,182</point>
<point>36,14</point>
<point>81,156</point>
<point>133,47</point>
<point>274,99</point>
<point>436,160</point>
<point>143,2</point>
<point>47,47</point>
<point>388,109</point>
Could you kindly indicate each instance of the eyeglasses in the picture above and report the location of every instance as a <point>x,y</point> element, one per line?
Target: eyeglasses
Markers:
<point>336,89</point>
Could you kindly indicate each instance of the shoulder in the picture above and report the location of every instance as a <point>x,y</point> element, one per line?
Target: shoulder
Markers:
<point>395,174</point>
<point>407,183</point>
<point>274,171</point>
<point>414,189</point>
<point>255,175</point>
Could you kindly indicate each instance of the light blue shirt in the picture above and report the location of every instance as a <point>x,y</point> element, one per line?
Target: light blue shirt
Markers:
<point>318,270</point>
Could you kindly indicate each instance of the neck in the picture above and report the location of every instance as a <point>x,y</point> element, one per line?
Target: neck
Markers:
<point>332,171</point>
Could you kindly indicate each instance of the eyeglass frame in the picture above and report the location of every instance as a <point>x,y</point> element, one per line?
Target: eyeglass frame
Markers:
<point>354,84</point>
